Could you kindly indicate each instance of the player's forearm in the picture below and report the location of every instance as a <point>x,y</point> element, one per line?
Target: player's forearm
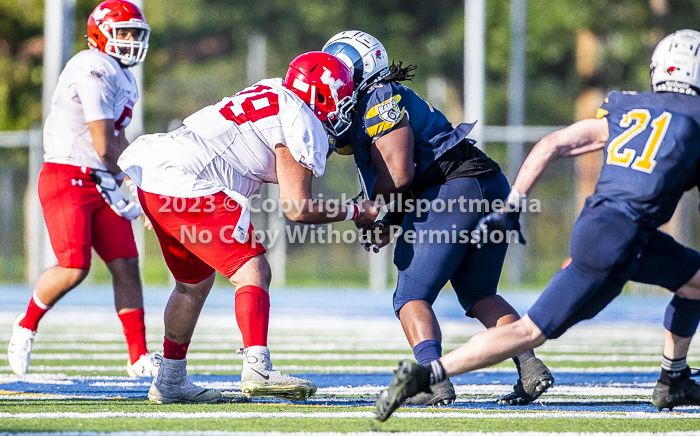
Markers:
<point>582,137</point>
<point>536,163</point>
<point>307,211</point>
<point>386,186</point>
<point>106,144</point>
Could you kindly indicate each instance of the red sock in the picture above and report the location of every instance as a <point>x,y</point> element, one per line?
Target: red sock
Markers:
<point>253,315</point>
<point>35,311</point>
<point>173,350</point>
<point>135,332</point>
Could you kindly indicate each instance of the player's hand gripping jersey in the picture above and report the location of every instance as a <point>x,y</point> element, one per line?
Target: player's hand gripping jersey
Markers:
<point>382,108</point>
<point>652,155</point>
<point>93,86</point>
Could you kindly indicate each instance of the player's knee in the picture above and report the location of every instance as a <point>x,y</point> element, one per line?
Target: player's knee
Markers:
<point>691,290</point>
<point>197,292</point>
<point>255,271</point>
<point>75,276</point>
<point>265,272</point>
<point>125,269</point>
<point>682,316</point>
<point>530,330</point>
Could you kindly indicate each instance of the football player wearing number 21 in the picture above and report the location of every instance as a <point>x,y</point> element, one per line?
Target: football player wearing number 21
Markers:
<point>78,183</point>
<point>651,142</point>
<point>194,185</point>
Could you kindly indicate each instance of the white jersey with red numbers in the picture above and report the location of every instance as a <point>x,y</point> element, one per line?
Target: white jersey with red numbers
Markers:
<point>229,146</point>
<point>93,86</point>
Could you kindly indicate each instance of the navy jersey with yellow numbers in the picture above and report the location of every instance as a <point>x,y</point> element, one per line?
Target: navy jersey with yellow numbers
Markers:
<point>652,155</point>
<point>383,106</point>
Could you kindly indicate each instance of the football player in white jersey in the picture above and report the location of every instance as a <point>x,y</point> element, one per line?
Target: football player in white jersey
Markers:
<point>82,204</point>
<point>194,185</point>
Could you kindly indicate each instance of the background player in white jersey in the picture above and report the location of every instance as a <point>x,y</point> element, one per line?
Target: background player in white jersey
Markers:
<point>194,185</point>
<point>83,206</point>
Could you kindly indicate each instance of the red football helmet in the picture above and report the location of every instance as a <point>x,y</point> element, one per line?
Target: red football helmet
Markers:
<point>103,27</point>
<point>325,83</point>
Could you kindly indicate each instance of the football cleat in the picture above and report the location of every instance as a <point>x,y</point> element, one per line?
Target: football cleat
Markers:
<point>19,350</point>
<point>686,393</point>
<point>171,385</point>
<point>145,366</point>
<point>410,379</point>
<point>535,379</point>
<point>441,394</point>
<point>258,379</point>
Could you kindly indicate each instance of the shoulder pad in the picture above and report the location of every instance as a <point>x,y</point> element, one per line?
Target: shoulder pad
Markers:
<point>96,63</point>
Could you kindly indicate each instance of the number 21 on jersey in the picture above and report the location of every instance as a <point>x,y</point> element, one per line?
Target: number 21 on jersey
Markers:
<point>636,121</point>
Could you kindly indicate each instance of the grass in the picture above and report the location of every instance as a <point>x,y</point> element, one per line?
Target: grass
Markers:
<point>573,405</point>
<point>323,424</point>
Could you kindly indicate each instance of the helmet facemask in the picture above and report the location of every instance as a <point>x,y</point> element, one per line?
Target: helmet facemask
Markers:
<point>338,121</point>
<point>128,52</point>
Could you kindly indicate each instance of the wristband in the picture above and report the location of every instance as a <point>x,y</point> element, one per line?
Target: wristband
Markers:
<point>353,212</point>
<point>515,198</point>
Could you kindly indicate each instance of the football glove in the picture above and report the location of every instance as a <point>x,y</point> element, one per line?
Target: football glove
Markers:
<point>107,186</point>
<point>503,220</point>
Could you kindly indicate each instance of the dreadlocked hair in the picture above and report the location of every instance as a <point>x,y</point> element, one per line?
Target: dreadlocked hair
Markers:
<point>399,73</point>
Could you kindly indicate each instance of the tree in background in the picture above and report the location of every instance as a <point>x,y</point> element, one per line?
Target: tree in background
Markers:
<point>199,51</point>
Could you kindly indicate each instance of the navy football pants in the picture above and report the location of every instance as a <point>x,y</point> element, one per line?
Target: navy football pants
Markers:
<point>426,266</point>
<point>608,249</point>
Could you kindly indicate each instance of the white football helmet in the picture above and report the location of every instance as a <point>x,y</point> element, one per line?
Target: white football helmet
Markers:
<point>363,53</point>
<point>675,63</point>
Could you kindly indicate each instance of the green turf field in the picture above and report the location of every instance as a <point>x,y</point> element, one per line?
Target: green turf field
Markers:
<point>77,383</point>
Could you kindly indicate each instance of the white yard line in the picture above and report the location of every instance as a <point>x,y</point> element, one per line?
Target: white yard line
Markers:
<point>321,415</point>
<point>591,358</point>
<point>334,368</point>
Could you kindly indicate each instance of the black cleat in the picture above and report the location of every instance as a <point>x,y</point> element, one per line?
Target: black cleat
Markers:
<point>535,379</point>
<point>686,393</point>
<point>409,379</point>
<point>442,394</point>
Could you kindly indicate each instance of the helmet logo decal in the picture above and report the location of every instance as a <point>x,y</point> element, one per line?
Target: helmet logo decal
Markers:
<point>333,84</point>
<point>100,14</point>
<point>378,54</point>
<point>301,86</point>
<point>671,70</point>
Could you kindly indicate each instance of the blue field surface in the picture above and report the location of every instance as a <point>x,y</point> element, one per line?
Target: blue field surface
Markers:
<point>627,308</point>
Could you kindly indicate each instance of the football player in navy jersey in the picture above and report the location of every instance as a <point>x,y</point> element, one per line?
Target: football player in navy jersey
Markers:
<point>652,156</point>
<point>405,148</point>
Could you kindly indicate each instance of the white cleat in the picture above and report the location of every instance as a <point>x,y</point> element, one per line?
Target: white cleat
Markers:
<point>19,350</point>
<point>258,379</point>
<point>171,385</point>
<point>144,367</point>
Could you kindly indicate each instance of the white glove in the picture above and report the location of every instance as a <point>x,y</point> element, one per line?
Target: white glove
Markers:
<point>107,186</point>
